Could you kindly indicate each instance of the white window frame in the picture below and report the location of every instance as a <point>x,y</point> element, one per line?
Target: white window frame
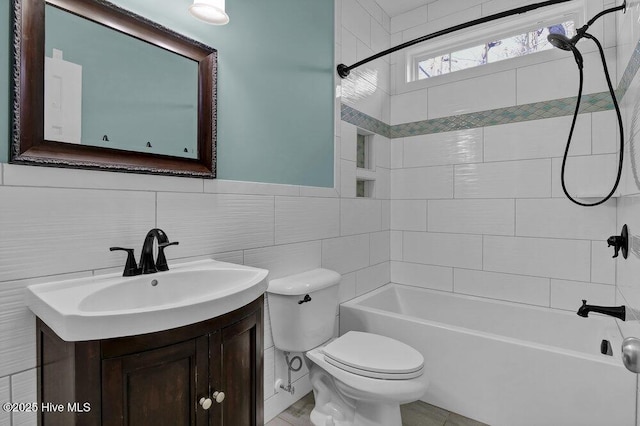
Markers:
<point>406,75</point>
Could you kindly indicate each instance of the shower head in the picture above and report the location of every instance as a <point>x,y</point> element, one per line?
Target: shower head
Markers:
<point>561,41</point>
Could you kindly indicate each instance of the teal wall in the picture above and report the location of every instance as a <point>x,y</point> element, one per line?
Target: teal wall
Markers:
<point>132,91</point>
<point>275,85</point>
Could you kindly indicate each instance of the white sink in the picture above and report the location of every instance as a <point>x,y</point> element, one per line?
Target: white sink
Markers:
<point>111,305</point>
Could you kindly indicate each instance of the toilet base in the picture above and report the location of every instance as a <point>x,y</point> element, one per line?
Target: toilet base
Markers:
<point>333,408</point>
<point>365,414</point>
<point>377,414</point>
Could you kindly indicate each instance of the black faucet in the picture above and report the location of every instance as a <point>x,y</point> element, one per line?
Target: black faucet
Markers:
<point>147,264</point>
<point>131,267</point>
<point>620,242</point>
<point>614,311</point>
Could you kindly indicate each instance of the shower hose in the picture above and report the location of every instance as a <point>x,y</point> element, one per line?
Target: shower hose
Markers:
<point>573,124</point>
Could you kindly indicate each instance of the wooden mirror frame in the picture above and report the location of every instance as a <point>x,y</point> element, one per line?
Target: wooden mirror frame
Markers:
<point>28,145</point>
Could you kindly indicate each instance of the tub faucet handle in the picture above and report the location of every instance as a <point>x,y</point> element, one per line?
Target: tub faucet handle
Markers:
<point>620,242</point>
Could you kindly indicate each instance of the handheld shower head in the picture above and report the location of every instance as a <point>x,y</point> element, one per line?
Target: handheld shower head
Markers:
<point>563,42</point>
<point>560,41</point>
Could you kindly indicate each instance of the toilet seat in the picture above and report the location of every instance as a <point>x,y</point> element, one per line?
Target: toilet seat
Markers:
<point>374,356</point>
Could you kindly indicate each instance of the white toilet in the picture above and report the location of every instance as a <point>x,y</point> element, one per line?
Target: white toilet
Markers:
<point>358,379</point>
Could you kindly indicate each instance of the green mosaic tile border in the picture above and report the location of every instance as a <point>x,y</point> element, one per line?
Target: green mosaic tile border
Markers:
<point>364,121</point>
<point>493,117</point>
<point>534,111</point>
<point>630,71</point>
<point>594,102</point>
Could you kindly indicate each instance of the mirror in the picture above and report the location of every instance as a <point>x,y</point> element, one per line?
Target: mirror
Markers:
<point>96,86</point>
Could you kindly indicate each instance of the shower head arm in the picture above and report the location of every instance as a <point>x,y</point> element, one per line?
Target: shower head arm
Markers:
<point>622,7</point>
<point>583,29</point>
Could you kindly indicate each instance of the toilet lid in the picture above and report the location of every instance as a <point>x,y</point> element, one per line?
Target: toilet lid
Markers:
<point>375,356</point>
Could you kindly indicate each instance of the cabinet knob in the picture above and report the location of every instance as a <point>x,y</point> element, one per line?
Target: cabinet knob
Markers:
<point>218,396</point>
<point>205,403</point>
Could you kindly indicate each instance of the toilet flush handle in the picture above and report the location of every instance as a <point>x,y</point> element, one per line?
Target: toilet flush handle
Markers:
<point>306,299</point>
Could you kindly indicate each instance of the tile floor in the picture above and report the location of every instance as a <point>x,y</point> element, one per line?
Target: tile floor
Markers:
<point>415,414</point>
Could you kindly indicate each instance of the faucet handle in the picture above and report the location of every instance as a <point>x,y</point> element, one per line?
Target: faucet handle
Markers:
<point>161,261</point>
<point>131,267</point>
<point>620,242</point>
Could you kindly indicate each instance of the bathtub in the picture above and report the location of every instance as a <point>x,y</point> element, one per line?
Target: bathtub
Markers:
<point>502,363</point>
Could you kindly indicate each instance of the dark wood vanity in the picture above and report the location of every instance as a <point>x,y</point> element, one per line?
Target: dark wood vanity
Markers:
<point>161,378</point>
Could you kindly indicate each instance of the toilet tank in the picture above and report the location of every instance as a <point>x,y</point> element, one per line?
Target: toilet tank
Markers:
<point>303,309</point>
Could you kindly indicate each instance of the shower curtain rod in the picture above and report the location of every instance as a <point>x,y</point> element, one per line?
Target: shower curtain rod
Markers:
<point>343,70</point>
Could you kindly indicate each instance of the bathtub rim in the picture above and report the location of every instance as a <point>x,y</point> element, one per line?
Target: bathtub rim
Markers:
<point>355,304</point>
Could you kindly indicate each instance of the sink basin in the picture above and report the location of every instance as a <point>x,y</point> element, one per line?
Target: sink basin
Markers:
<point>111,305</point>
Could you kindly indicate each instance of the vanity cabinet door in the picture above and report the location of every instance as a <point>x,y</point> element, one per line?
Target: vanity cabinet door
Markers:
<point>159,378</point>
<point>241,377</point>
<point>157,387</point>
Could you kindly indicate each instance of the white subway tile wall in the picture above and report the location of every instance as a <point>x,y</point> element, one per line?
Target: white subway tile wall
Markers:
<point>542,257</point>
<point>22,387</point>
<point>287,259</point>
<point>304,219</point>
<point>422,183</point>
<point>505,179</point>
<point>475,94</point>
<point>346,254</point>
<point>530,140</point>
<point>603,265</point>
<point>462,146</point>
<point>409,215</point>
<point>563,293</point>
<point>606,135</point>
<point>379,247</point>
<point>5,395</point>
<point>419,275</point>
<point>514,288</point>
<point>432,248</point>
<point>370,278</point>
<point>409,107</point>
<point>492,216</point>
<point>559,218</point>
<point>559,78</point>
<point>503,229</point>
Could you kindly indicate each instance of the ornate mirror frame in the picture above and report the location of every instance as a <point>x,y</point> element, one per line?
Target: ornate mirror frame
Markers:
<point>28,145</point>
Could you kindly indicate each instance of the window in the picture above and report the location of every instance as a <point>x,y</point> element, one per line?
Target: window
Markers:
<point>500,45</point>
<point>512,46</point>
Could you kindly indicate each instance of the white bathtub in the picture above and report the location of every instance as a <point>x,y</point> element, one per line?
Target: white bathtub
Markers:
<point>501,363</point>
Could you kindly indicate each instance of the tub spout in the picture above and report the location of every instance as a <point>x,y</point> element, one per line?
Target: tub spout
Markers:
<point>614,311</point>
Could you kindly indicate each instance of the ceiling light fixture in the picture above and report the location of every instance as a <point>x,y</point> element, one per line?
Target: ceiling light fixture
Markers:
<point>209,11</point>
